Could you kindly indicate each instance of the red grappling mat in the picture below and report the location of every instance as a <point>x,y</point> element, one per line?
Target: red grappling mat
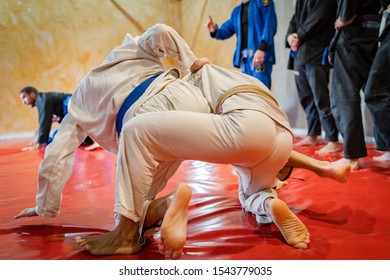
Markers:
<point>348,221</point>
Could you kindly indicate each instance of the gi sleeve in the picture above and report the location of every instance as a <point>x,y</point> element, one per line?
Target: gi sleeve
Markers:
<point>56,167</point>
<point>347,9</point>
<point>292,28</point>
<point>270,23</point>
<point>319,17</point>
<point>227,28</point>
<point>45,113</point>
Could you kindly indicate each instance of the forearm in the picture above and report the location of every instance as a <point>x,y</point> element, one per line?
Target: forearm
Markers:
<point>56,167</point>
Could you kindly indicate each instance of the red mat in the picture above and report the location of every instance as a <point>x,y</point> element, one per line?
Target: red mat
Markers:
<point>346,221</point>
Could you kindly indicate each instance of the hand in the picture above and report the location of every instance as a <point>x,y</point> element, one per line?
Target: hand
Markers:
<point>198,64</point>
<point>293,41</point>
<point>55,118</point>
<point>211,25</point>
<point>338,23</point>
<point>258,58</point>
<point>28,212</point>
<point>32,147</point>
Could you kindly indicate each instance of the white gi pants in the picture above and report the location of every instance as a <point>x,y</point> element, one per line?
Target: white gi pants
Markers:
<point>153,144</point>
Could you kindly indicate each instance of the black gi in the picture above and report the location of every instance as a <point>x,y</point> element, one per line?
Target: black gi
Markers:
<point>49,104</point>
<point>355,51</point>
<point>313,21</point>
<point>377,90</point>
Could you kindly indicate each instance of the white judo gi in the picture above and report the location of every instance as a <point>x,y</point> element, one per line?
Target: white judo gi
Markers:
<point>94,106</point>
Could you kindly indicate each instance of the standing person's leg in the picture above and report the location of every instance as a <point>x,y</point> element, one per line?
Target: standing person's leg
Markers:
<point>377,95</point>
<point>349,74</point>
<point>306,99</point>
<point>318,79</point>
<point>381,146</point>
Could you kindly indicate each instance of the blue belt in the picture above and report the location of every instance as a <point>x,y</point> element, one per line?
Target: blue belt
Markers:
<point>130,100</point>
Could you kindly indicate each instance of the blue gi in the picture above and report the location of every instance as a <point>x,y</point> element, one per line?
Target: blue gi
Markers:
<point>262,24</point>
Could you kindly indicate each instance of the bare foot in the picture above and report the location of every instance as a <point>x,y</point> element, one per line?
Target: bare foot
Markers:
<point>121,241</point>
<point>309,141</point>
<point>92,147</point>
<point>157,209</point>
<point>354,163</point>
<point>174,225</point>
<point>338,171</point>
<point>331,147</point>
<point>293,230</point>
<point>384,157</point>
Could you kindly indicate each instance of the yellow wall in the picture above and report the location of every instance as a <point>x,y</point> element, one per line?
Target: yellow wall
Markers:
<point>50,44</point>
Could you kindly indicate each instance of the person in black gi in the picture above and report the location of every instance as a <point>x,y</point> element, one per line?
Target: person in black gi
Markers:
<point>52,106</point>
<point>358,24</point>
<point>309,33</point>
<point>377,90</point>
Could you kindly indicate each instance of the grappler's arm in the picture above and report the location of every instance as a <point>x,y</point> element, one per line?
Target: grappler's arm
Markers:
<point>55,169</point>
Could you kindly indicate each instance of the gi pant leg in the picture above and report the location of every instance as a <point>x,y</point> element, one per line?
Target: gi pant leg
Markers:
<point>306,99</point>
<point>377,92</point>
<point>355,51</point>
<point>318,78</point>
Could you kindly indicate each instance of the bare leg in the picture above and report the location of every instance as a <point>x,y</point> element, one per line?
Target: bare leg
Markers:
<point>338,171</point>
<point>174,225</point>
<point>309,141</point>
<point>384,157</point>
<point>354,163</point>
<point>293,230</point>
<point>122,240</point>
<point>331,147</point>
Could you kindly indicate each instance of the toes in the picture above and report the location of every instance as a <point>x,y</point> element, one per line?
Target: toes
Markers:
<point>301,245</point>
<point>79,240</point>
<point>176,254</point>
<point>168,254</point>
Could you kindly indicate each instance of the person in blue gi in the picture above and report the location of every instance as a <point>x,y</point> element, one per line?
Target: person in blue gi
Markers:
<point>358,24</point>
<point>308,35</point>
<point>254,23</point>
<point>377,90</point>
